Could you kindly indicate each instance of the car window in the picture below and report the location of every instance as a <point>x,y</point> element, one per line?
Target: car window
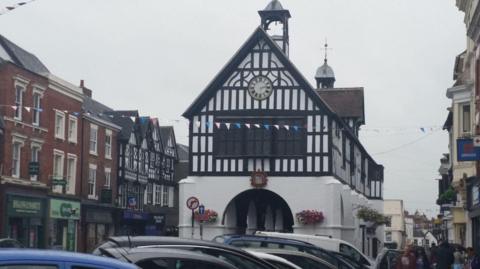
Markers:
<point>279,265</point>
<point>238,261</point>
<point>104,245</point>
<point>246,244</point>
<point>189,264</point>
<point>28,266</point>
<point>304,262</point>
<point>348,250</point>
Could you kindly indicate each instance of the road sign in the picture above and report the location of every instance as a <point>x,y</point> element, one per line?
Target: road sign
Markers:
<point>193,203</point>
<point>201,210</point>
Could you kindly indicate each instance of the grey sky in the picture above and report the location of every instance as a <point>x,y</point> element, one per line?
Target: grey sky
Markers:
<point>157,56</point>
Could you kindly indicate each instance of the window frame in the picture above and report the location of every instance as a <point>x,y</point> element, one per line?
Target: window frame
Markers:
<point>108,146</point>
<point>94,142</point>
<point>37,108</point>
<point>58,167</point>
<point>245,142</point>
<point>108,171</point>
<point>465,124</point>
<point>17,115</point>
<point>16,167</point>
<point>72,135</point>
<point>92,182</point>
<point>59,131</point>
<point>35,157</point>
<point>68,186</point>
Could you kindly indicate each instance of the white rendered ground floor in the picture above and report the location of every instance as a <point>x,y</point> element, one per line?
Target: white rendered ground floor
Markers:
<point>242,208</point>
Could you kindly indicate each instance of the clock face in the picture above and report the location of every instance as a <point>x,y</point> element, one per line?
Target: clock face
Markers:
<point>260,88</point>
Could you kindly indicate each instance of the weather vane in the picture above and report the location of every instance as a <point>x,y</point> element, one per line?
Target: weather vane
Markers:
<point>326,48</point>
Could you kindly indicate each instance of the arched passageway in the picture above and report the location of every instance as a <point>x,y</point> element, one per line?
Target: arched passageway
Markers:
<point>258,210</point>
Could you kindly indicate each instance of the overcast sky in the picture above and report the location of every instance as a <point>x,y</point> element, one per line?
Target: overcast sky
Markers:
<point>157,56</point>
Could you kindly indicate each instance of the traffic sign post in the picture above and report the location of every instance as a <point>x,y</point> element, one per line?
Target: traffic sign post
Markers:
<point>193,203</point>
<point>201,212</point>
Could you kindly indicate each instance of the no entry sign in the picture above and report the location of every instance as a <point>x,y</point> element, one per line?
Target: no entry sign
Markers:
<point>193,203</point>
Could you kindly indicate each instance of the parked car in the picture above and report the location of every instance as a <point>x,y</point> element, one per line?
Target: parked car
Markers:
<point>254,241</point>
<point>10,243</point>
<point>53,259</point>
<point>302,259</point>
<point>279,262</point>
<point>236,256</point>
<point>328,243</point>
<point>166,258</point>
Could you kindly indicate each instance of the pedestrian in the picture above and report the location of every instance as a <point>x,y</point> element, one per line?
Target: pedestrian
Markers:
<point>407,259</point>
<point>444,256</point>
<point>458,258</point>
<point>421,259</point>
<point>473,260</point>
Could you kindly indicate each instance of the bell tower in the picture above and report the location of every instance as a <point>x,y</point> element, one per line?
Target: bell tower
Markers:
<point>275,13</point>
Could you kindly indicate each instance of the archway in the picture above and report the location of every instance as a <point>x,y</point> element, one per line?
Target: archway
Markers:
<point>258,210</point>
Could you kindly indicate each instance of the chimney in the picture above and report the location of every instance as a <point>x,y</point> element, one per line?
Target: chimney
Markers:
<point>86,91</point>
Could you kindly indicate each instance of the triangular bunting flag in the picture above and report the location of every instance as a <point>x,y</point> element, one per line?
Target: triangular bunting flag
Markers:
<point>14,107</point>
<point>422,129</point>
<point>238,125</point>
<point>76,114</point>
<point>198,123</point>
<point>27,108</point>
<point>257,125</point>
<point>276,126</point>
<point>228,125</point>
<point>295,127</point>
<point>217,124</point>
<point>247,125</point>
<point>266,126</point>
<point>132,118</point>
<point>287,127</point>
<point>207,124</point>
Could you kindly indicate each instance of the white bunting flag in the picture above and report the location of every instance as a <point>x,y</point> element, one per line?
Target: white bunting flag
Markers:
<point>276,126</point>
<point>228,125</point>
<point>14,107</point>
<point>198,123</point>
<point>132,118</point>
<point>257,125</point>
<point>287,127</point>
<point>217,124</point>
<point>247,125</point>
<point>27,108</point>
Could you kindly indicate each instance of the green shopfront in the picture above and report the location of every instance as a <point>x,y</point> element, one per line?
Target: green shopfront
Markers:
<point>63,225</point>
<point>25,220</point>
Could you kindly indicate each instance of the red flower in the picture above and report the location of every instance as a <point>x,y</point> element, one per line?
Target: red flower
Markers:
<point>310,216</point>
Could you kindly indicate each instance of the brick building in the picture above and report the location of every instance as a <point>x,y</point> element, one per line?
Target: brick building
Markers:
<point>37,142</point>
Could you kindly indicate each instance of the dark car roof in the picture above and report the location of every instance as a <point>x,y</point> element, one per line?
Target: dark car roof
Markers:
<point>232,237</point>
<point>59,256</point>
<point>152,241</point>
<point>136,255</point>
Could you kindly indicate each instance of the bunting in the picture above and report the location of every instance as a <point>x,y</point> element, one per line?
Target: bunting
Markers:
<point>14,6</point>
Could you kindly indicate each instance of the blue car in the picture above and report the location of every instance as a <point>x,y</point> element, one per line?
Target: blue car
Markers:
<point>52,259</point>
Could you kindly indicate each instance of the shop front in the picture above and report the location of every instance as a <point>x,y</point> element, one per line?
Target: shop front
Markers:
<point>25,220</point>
<point>473,190</point>
<point>132,222</point>
<point>64,217</point>
<point>99,226</point>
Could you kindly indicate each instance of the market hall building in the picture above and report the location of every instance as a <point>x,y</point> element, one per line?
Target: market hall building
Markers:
<point>266,146</point>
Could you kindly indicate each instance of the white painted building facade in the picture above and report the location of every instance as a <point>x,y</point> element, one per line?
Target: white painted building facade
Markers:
<point>259,119</point>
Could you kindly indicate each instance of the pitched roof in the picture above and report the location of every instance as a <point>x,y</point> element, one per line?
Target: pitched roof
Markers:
<point>182,152</point>
<point>274,5</point>
<point>346,102</point>
<point>122,119</point>
<point>9,51</point>
<point>220,78</point>
<point>96,109</point>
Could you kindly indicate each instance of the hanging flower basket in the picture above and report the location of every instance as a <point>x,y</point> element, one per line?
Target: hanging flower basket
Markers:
<point>372,217</point>
<point>210,216</point>
<point>310,217</point>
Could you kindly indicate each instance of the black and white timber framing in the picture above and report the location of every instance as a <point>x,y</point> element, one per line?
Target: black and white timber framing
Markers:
<point>324,146</point>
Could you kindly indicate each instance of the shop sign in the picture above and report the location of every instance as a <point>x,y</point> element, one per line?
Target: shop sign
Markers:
<point>135,215</point>
<point>64,209</point>
<point>159,219</point>
<point>466,151</point>
<point>19,205</point>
